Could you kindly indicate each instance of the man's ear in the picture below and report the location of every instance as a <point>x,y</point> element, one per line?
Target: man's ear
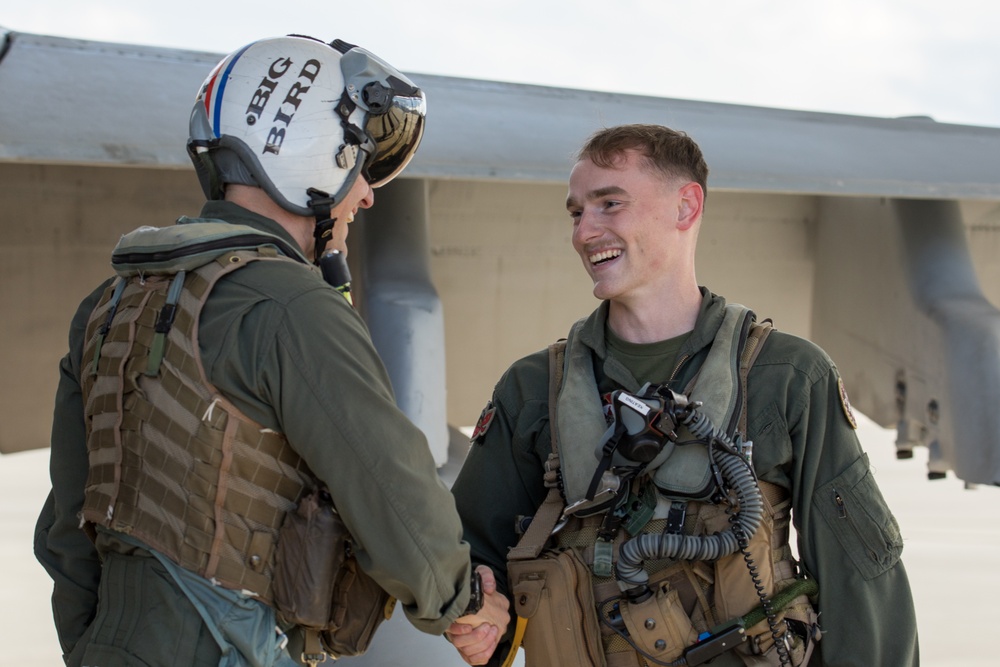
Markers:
<point>692,202</point>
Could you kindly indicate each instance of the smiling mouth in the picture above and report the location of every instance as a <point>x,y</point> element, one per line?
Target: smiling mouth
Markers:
<point>603,256</point>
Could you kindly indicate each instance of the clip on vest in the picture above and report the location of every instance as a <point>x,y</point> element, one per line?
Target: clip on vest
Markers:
<point>163,324</point>
<point>676,517</point>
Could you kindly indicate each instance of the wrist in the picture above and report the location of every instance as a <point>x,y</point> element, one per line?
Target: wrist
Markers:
<point>475,594</point>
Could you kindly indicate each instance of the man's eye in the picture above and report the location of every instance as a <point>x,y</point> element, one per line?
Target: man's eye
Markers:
<point>611,204</point>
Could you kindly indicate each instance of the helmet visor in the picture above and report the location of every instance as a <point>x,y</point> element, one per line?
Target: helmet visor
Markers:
<point>396,133</point>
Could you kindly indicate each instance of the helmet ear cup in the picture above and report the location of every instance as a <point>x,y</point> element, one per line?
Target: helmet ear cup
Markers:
<point>284,114</point>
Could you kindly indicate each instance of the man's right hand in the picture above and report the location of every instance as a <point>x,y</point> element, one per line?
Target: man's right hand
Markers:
<point>476,636</point>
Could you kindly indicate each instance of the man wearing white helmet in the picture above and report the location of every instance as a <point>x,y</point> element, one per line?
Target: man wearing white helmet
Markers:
<point>220,398</point>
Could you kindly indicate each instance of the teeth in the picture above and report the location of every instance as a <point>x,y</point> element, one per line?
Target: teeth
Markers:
<point>603,255</point>
<point>349,218</point>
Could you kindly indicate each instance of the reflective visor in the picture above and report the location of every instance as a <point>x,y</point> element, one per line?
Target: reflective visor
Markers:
<point>396,134</point>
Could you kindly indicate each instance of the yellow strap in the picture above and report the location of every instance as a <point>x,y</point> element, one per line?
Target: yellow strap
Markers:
<point>522,623</point>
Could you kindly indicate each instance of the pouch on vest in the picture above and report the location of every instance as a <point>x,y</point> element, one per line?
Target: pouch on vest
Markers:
<point>659,625</point>
<point>554,593</point>
<point>317,581</point>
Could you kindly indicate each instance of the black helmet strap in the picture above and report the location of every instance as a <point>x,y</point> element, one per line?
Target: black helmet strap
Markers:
<point>321,203</point>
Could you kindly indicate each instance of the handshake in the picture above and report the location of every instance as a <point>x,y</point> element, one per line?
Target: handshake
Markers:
<point>476,636</point>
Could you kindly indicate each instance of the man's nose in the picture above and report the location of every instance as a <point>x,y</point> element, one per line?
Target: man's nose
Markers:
<point>369,199</point>
<point>586,226</point>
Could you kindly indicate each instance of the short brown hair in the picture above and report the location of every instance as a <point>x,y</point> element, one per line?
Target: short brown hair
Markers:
<point>672,153</point>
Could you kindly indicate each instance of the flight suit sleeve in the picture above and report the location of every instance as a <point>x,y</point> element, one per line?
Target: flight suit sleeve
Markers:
<point>501,479</point>
<point>334,403</point>
<point>62,548</point>
<point>848,538</point>
<point>502,476</point>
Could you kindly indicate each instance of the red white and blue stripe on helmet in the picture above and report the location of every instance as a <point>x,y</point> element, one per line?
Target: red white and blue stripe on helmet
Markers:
<point>215,90</point>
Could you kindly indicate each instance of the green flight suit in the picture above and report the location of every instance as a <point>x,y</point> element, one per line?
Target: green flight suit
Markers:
<point>804,440</point>
<point>291,353</point>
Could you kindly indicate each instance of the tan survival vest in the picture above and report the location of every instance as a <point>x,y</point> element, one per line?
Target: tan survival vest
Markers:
<point>574,608</point>
<point>172,462</point>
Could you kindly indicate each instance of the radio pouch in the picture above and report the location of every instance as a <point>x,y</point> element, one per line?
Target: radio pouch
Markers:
<point>318,584</point>
<point>554,593</point>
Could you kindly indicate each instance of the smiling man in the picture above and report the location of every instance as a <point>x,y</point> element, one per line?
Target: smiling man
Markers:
<point>633,487</point>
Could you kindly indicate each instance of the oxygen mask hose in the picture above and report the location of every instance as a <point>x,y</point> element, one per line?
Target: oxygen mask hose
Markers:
<point>738,476</point>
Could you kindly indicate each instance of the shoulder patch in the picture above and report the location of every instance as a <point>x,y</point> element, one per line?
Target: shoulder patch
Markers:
<point>609,409</point>
<point>845,403</point>
<point>484,423</point>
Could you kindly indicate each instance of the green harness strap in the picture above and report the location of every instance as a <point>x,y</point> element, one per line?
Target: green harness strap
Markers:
<point>163,324</point>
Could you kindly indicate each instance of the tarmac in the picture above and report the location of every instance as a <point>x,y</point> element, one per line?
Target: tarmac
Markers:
<point>951,553</point>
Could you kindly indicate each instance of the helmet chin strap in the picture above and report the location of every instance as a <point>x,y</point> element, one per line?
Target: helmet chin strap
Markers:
<point>333,265</point>
<point>321,203</point>
<point>322,233</point>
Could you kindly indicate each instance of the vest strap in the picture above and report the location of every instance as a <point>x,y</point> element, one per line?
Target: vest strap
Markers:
<point>542,525</point>
<point>519,628</point>
<point>106,327</point>
<point>537,534</point>
<point>754,344</point>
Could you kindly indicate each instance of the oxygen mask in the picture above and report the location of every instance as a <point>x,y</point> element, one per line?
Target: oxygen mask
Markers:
<point>641,437</point>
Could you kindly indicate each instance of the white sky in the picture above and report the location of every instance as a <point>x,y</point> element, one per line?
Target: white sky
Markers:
<point>870,57</point>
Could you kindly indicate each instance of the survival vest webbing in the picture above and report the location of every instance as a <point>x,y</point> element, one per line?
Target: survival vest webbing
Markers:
<point>709,593</point>
<point>172,462</point>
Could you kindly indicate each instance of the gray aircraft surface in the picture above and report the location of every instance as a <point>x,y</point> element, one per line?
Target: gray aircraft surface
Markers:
<point>877,238</point>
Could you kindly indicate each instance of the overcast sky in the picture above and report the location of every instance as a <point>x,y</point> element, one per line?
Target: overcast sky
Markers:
<point>939,58</point>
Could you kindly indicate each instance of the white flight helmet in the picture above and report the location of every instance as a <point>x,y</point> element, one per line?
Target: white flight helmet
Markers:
<point>302,119</point>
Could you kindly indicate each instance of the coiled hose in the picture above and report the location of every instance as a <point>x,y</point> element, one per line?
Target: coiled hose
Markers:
<point>739,476</point>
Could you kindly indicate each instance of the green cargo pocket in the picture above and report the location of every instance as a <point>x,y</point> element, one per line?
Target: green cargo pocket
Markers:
<point>856,512</point>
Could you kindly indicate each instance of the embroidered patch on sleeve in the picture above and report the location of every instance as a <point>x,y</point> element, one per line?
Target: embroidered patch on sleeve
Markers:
<point>484,423</point>
<point>609,409</point>
<point>845,403</point>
